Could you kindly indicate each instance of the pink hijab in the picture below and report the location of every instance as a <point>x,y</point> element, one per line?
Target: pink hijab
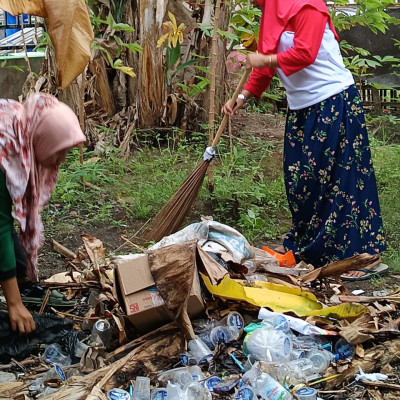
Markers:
<point>275,17</point>
<point>29,133</point>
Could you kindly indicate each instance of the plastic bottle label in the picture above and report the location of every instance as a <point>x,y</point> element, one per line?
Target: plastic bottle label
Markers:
<point>272,392</point>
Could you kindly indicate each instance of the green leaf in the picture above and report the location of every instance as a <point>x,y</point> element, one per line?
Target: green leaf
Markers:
<point>123,27</point>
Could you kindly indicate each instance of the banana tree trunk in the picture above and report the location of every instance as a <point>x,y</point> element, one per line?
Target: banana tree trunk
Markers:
<point>150,94</point>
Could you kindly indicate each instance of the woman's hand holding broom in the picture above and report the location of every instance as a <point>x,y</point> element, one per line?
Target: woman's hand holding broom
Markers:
<point>237,100</point>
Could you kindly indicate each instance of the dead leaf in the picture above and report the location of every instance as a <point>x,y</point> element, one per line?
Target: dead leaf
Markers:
<point>360,351</point>
<point>387,369</point>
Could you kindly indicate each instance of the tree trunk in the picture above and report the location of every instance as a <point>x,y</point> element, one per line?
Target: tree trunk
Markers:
<point>150,95</point>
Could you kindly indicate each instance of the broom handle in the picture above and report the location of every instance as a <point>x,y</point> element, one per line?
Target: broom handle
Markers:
<point>239,88</point>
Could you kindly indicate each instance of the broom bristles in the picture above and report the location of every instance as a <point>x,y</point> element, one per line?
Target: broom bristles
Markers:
<point>171,216</point>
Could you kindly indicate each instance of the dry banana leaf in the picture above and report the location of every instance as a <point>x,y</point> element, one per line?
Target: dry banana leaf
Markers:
<point>69,28</point>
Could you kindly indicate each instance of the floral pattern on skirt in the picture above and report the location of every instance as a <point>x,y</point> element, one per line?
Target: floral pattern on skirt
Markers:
<point>330,182</point>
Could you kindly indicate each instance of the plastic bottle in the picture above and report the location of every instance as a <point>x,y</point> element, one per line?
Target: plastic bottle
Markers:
<point>54,355</point>
<point>278,321</point>
<point>343,350</point>
<point>269,345</point>
<point>268,388</point>
<point>223,334</point>
<point>300,371</point>
<point>141,390</point>
<point>320,358</point>
<point>251,266</point>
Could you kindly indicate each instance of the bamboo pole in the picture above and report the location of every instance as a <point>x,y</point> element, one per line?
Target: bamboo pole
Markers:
<point>211,111</point>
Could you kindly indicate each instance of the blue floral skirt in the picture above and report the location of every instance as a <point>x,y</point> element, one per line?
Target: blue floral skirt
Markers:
<point>330,182</point>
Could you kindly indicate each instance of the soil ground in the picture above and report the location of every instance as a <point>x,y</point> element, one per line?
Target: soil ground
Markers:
<point>266,126</point>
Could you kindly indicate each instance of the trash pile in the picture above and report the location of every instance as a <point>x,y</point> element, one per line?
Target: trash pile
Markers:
<point>202,315</point>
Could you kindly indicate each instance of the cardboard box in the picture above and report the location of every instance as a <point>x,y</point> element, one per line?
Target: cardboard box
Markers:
<point>143,303</point>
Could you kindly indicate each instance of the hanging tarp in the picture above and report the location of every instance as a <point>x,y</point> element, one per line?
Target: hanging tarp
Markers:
<point>69,28</point>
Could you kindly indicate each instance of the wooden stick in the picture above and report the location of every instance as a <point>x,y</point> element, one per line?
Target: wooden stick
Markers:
<point>45,301</point>
<point>382,385</point>
<point>60,249</point>
<point>368,299</point>
<point>73,316</point>
<point>20,364</point>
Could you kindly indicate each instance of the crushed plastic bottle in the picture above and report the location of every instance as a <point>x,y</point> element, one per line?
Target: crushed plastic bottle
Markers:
<point>54,355</point>
<point>320,358</point>
<point>141,390</point>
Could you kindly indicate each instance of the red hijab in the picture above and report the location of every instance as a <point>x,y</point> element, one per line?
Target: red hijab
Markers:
<point>275,17</point>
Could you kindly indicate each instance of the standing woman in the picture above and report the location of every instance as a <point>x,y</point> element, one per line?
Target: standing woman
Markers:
<point>35,137</point>
<point>329,179</point>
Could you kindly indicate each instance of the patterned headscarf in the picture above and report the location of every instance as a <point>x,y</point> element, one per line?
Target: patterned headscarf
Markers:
<point>29,133</point>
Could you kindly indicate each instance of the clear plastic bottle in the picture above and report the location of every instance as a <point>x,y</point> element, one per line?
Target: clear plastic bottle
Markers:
<point>251,266</point>
<point>141,390</point>
<point>300,371</point>
<point>54,355</point>
<point>269,345</point>
<point>268,388</point>
<point>320,358</point>
<point>278,321</point>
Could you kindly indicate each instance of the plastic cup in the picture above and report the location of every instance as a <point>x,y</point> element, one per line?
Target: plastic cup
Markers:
<point>199,350</point>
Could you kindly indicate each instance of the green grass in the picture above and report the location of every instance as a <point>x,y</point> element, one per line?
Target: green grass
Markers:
<point>248,187</point>
<point>386,158</point>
